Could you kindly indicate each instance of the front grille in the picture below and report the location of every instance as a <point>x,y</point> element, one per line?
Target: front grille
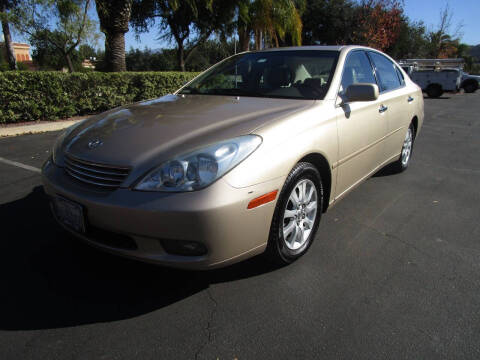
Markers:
<point>101,175</point>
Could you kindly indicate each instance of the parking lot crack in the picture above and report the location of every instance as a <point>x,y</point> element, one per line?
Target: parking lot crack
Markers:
<point>209,326</point>
<point>394,237</point>
<point>397,238</point>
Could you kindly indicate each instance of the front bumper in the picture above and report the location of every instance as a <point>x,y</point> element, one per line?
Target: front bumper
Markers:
<point>216,217</point>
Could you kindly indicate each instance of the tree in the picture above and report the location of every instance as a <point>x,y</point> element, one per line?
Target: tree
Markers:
<point>441,42</point>
<point>328,22</point>
<point>378,23</point>
<point>463,51</point>
<point>149,60</point>
<point>411,41</point>
<point>209,53</point>
<point>114,18</point>
<point>189,23</point>
<point>269,21</point>
<point>47,57</point>
<point>72,25</point>
<point>86,51</point>
<point>45,54</point>
<point>5,6</point>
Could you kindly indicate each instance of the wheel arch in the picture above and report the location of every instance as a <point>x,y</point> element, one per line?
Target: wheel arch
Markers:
<point>322,165</point>
<point>415,124</point>
<point>466,82</point>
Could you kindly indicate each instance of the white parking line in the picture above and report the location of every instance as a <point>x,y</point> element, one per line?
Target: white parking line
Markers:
<point>20,165</point>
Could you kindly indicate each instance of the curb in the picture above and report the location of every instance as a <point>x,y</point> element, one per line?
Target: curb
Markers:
<point>37,128</point>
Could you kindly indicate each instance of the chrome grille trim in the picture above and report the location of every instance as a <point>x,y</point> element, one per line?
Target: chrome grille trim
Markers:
<point>86,168</point>
<point>82,179</point>
<point>102,175</point>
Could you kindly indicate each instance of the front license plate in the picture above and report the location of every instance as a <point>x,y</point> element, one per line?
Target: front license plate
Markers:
<point>69,213</point>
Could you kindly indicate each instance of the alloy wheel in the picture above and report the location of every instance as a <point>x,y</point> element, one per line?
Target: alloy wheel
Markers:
<point>299,215</point>
<point>407,147</point>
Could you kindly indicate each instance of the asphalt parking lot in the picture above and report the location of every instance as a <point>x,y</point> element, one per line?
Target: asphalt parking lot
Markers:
<point>393,273</point>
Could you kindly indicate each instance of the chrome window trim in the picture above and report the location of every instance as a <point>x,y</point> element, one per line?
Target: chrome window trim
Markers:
<point>375,71</point>
<point>343,70</point>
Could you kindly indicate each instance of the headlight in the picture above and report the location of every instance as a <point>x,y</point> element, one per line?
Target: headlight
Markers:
<point>199,168</point>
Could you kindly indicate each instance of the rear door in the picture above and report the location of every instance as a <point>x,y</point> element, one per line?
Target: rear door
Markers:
<point>361,126</point>
<point>398,100</point>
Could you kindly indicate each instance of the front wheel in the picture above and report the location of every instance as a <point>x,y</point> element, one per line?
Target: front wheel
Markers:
<point>297,215</point>
<point>470,86</point>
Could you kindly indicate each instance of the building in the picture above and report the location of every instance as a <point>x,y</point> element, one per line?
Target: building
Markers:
<point>89,64</point>
<point>21,50</point>
<point>22,54</point>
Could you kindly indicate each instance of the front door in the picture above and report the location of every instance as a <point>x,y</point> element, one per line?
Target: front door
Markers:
<point>361,127</point>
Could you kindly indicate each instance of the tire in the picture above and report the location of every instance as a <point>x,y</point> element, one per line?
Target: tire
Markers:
<point>407,149</point>
<point>294,222</point>
<point>470,86</point>
<point>434,91</point>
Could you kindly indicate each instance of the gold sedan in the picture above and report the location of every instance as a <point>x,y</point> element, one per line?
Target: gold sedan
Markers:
<point>242,160</point>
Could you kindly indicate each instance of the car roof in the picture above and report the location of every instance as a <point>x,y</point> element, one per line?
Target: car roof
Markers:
<point>317,47</point>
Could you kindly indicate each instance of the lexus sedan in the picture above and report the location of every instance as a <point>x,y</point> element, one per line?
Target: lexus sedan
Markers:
<point>242,160</point>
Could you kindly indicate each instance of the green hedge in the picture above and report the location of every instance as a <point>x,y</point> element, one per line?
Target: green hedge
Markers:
<point>49,95</point>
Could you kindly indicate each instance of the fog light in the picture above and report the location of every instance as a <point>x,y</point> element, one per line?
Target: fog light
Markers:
<point>184,248</point>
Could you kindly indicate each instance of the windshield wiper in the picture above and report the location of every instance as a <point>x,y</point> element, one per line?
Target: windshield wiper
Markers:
<point>190,90</point>
<point>232,92</point>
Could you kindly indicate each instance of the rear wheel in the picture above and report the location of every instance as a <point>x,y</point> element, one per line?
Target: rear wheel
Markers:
<point>434,90</point>
<point>402,163</point>
<point>297,215</point>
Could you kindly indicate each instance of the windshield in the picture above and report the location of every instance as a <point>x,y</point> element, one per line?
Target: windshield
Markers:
<point>294,74</point>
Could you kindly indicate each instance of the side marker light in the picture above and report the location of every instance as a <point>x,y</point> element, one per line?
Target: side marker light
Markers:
<point>266,198</point>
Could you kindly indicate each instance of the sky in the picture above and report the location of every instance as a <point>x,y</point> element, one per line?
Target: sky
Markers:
<point>465,12</point>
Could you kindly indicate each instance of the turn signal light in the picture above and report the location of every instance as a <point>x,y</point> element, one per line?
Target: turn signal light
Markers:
<point>266,198</point>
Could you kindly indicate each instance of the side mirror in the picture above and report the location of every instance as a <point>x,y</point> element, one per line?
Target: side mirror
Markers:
<point>362,92</point>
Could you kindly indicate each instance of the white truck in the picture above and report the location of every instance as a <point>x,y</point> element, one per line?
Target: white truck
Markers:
<point>436,76</point>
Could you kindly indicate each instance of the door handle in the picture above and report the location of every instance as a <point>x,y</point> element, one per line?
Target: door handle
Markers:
<point>410,99</point>
<point>382,109</point>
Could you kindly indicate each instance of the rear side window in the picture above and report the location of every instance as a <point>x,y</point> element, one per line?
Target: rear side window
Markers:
<point>357,69</point>
<point>386,72</point>
<point>400,76</point>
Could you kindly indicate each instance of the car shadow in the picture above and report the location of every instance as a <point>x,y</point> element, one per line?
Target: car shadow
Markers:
<point>387,170</point>
<point>437,98</point>
<point>52,280</point>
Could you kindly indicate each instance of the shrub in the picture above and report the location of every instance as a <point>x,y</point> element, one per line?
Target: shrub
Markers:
<point>49,95</point>
<point>22,66</point>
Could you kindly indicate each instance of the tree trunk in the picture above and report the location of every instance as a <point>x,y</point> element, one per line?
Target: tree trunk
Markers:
<point>244,38</point>
<point>258,40</point>
<point>115,51</point>
<point>8,41</point>
<point>181,57</point>
<point>69,63</point>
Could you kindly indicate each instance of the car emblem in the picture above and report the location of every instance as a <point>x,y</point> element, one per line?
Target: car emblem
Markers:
<point>95,143</point>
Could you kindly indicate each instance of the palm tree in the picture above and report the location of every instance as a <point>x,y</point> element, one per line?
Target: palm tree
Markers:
<point>114,16</point>
<point>269,21</point>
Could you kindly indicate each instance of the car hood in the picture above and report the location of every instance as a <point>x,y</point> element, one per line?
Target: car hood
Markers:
<point>468,76</point>
<point>168,126</point>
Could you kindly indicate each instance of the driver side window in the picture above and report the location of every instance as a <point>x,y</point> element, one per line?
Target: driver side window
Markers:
<point>357,69</point>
